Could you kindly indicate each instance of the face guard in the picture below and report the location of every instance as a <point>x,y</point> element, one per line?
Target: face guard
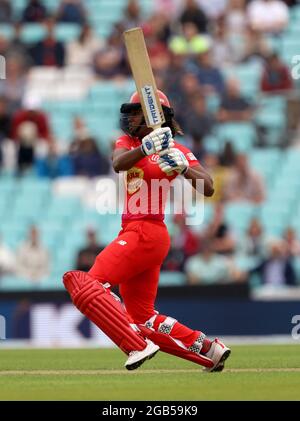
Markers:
<point>126,111</point>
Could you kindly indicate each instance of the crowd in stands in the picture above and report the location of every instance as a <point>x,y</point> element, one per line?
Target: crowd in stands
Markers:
<point>189,44</point>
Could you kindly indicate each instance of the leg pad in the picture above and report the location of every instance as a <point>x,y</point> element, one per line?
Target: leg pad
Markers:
<point>99,305</point>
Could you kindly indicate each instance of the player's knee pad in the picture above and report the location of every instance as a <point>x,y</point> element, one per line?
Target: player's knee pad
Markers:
<point>105,310</point>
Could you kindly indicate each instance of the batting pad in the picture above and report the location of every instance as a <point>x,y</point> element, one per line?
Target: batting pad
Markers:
<point>99,305</point>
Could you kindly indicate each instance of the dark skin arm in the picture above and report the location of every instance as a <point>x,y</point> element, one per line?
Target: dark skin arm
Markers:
<point>199,173</point>
<point>123,160</point>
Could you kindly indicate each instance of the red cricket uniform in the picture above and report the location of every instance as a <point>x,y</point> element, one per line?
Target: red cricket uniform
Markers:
<point>134,258</point>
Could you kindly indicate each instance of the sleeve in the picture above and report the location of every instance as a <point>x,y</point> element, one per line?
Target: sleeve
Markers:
<point>122,143</point>
<point>193,161</point>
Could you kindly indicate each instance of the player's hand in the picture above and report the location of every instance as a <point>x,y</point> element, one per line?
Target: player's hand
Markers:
<point>174,159</point>
<point>157,141</point>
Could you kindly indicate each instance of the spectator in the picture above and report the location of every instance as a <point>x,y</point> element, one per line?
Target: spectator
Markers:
<point>222,240</point>
<point>184,238</point>
<point>255,47</point>
<point>174,262</point>
<point>223,52</point>
<point>27,139</point>
<point>5,11</point>
<point>210,77</point>
<point>277,269</point>
<point>87,255</point>
<point>109,63</point>
<point>235,17</point>
<point>268,15</point>
<point>80,131</point>
<point>276,76</point>
<point>32,258</point>
<point>243,183</point>
<point>13,86</point>
<point>292,242</point>
<point>228,155</point>
<point>208,267</point>
<point>196,119</point>
<point>168,7</point>
<point>49,51</point>
<point>234,107</point>
<point>218,173</point>
<point>88,160</point>
<point>190,42</point>
<point>197,146</point>
<point>7,260</point>
<point>5,119</point>
<point>18,47</point>
<point>193,13</point>
<point>132,15</point>
<point>182,92</point>
<point>71,11</point>
<point>54,165</point>
<point>214,9</point>
<point>31,112</point>
<point>81,51</point>
<point>255,242</point>
<point>34,12</point>
<point>158,27</point>
<point>4,45</point>
<point>157,32</point>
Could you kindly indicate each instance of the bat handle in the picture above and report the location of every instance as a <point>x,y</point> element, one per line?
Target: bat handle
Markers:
<point>157,126</point>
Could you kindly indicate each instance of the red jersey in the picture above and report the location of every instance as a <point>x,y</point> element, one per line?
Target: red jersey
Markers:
<point>146,190</point>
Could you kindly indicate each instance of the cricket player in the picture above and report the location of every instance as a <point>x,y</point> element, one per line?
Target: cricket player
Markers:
<point>133,260</point>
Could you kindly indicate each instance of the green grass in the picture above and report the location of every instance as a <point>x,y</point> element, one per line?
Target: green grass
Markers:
<point>91,374</point>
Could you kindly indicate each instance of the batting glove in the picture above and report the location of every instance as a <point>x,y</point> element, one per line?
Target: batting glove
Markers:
<point>173,160</point>
<point>157,141</point>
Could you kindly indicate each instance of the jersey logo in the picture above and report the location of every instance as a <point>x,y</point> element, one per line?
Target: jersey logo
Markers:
<point>153,159</point>
<point>122,242</point>
<point>134,179</point>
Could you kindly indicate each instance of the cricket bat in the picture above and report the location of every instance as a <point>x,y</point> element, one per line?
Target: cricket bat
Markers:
<point>143,77</point>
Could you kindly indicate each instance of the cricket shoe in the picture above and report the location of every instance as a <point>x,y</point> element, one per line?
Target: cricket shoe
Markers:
<point>137,358</point>
<point>218,353</point>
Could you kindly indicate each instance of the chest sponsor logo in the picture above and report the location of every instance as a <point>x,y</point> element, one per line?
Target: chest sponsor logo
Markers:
<point>153,159</point>
<point>134,179</point>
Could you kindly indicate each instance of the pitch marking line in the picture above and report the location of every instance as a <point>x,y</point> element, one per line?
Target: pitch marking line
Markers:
<point>152,371</point>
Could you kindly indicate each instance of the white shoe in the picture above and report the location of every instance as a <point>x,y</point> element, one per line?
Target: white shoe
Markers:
<point>218,353</point>
<point>137,358</point>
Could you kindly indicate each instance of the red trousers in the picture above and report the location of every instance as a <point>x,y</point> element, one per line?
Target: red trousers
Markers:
<point>133,262</point>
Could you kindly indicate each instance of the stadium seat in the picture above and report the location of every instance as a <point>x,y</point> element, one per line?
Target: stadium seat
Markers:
<point>212,103</point>
<point>33,32</point>
<point>14,283</point>
<point>212,144</point>
<point>248,76</point>
<point>172,279</point>
<point>67,32</point>
<point>238,215</point>
<point>18,7</point>
<point>7,31</point>
<point>242,135</point>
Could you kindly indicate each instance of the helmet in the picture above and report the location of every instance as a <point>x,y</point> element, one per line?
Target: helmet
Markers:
<point>135,104</point>
<point>135,98</point>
